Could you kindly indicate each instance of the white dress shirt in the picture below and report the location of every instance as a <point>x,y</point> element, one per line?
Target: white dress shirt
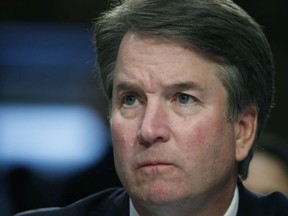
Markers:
<point>231,211</point>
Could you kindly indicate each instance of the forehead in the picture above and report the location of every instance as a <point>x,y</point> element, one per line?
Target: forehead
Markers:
<point>151,58</point>
<point>138,48</point>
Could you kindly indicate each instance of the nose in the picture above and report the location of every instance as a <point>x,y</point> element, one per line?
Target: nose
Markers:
<point>154,127</point>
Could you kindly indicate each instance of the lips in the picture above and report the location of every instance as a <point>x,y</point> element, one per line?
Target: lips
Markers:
<point>154,163</point>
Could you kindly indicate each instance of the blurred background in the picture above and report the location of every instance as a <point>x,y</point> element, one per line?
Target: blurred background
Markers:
<point>55,144</point>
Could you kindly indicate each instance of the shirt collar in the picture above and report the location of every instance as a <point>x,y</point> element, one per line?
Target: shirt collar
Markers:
<point>232,210</point>
<point>132,210</point>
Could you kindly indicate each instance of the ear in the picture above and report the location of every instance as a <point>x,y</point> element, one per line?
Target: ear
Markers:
<point>245,132</point>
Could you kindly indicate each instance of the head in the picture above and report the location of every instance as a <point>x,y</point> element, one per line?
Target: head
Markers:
<point>218,29</point>
<point>189,82</point>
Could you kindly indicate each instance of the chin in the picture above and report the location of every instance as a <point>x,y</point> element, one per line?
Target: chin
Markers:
<point>158,193</point>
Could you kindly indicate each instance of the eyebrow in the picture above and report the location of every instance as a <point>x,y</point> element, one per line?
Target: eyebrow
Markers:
<point>186,86</point>
<point>124,86</point>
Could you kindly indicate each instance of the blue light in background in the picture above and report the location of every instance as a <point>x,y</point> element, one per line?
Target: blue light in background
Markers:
<point>45,45</point>
<point>49,126</point>
<point>51,139</point>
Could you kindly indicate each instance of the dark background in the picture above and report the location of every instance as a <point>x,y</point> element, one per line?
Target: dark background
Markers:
<point>26,190</point>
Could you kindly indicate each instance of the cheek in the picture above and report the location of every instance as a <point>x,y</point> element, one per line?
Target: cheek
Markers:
<point>123,139</point>
<point>118,138</point>
<point>119,148</point>
<point>207,138</point>
<point>208,152</point>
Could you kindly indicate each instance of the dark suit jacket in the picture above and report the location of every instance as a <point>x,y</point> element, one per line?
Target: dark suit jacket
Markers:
<point>115,202</point>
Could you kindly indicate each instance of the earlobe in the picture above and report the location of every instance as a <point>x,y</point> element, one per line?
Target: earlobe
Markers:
<point>245,132</point>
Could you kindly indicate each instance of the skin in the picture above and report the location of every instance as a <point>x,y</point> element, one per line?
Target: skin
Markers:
<point>175,151</point>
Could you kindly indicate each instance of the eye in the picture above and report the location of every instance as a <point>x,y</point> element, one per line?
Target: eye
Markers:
<point>129,100</point>
<point>183,98</point>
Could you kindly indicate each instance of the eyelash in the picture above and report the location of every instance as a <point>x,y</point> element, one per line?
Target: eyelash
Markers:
<point>189,97</point>
<point>126,96</point>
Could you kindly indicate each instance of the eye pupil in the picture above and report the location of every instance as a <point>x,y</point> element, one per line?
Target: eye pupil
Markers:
<point>130,100</point>
<point>183,98</point>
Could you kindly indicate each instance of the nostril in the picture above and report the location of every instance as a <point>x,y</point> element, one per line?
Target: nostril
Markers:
<point>148,138</point>
<point>142,141</point>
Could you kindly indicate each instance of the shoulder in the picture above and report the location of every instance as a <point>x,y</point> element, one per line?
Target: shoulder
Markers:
<point>251,203</point>
<point>104,203</point>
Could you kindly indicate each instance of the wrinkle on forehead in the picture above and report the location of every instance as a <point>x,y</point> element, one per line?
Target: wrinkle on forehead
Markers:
<point>152,65</point>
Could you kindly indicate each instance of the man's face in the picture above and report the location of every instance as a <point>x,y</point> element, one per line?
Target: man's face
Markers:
<point>171,137</point>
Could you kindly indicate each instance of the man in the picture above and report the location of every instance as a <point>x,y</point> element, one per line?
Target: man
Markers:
<point>190,85</point>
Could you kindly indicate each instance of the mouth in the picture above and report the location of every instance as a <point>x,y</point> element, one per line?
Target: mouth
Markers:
<point>155,169</point>
<point>154,164</point>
